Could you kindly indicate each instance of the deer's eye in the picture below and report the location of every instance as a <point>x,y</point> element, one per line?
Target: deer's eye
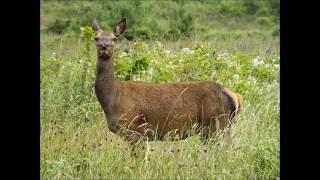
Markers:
<point>96,38</point>
<point>114,39</point>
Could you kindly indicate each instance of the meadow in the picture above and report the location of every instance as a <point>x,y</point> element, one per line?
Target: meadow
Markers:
<point>235,43</point>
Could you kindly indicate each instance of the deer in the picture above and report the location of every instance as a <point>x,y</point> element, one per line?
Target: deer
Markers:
<point>136,110</point>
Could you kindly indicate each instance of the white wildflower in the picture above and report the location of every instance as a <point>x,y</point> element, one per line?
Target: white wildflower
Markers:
<point>166,51</point>
<point>223,55</point>
<point>158,43</point>
<point>256,61</point>
<point>136,78</point>
<point>276,66</point>
<point>53,54</point>
<point>206,55</point>
<point>123,54</point>
<point>186,50</point>
<point>150,72</point>
<point>252,79</point>
<point>81,28</point>
<point>236,77</point>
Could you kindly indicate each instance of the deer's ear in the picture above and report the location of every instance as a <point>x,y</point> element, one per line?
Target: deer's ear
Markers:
<point>96,26</point>
<point>120,27</point>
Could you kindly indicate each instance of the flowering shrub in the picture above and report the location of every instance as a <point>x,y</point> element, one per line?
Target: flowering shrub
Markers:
<point>239,71</point>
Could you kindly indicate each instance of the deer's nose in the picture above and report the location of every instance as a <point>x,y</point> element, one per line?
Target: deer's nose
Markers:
<point>104,46</point>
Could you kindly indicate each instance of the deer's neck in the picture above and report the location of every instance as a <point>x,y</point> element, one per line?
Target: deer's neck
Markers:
<point>105,85</point>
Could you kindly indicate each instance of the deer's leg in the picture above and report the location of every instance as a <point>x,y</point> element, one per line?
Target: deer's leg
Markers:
<point>204,138</point>
<point>206,134</point>
<point>135,132</point>
<point>227,135</point>
<point>134,139</point>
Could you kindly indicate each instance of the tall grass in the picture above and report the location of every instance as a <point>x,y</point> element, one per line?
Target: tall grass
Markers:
<point>75,141</point>
<point>240,54</point>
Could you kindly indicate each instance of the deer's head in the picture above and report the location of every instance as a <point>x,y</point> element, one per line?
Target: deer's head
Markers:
<point>105,41</point>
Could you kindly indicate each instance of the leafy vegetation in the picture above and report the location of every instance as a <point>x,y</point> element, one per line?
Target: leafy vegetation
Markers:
<point>158,19</point>
<point>235,43</point>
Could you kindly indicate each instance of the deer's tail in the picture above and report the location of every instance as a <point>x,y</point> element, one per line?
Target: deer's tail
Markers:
<point>234,102</point>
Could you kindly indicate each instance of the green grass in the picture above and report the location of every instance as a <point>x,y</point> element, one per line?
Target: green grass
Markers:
<point>241,54</point>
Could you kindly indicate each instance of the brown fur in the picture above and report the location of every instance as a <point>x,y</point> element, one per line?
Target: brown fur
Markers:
<point>163,108</point>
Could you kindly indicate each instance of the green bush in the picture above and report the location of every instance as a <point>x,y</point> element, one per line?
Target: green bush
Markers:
<point>59,26</point>
<point>143,32</point>
<point>252,6</point>
<point>231,8</point>
<point>182,24</point>
<point>265,21</point>
<point>156,19</point>
<point>274,6</point>
<point>276,31</point>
